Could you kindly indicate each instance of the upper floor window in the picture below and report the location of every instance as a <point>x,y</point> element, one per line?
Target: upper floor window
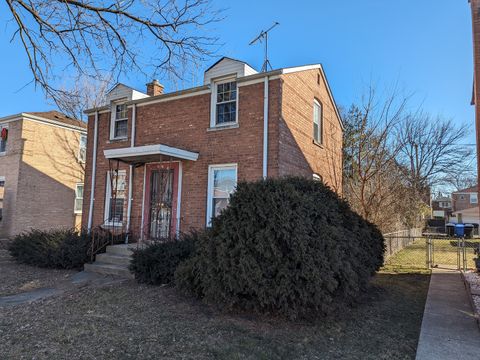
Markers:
<point>317,122</point>
<point>82,152</point>
<point>3,139</point>
<point>473,198</point>
<point>119,129</point>
<point>225,100</point>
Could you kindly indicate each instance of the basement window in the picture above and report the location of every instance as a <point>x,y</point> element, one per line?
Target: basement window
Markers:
<point>224,111</point>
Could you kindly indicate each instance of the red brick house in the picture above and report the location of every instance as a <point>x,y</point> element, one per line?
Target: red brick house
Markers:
<point>162,163</point>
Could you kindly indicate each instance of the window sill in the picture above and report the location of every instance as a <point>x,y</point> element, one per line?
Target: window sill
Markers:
<point>77,212</point>
<point>119,139</point>
<point>223,127</point>
<point>320,145</point>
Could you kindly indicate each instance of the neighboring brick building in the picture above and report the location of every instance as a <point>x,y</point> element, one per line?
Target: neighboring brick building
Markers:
<point>41,171</point>
<point>465,206</point>
<point>179,155</point>
<point>475,7</point>
<point>441,207</point>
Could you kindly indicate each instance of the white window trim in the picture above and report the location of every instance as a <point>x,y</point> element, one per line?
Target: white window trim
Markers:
<point>75,211</point>
<point>320,124</point>
<point>113,120</point>
<point>80,148</point>
<point>108,194</point>
<point>213,103</point>
<point>473,195</point>
<point>3,153</point>
<point>211,169</point>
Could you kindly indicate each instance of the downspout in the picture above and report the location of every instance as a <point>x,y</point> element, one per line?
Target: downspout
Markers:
<point>94,173</point>
<point>130,174</point>
<point>265,127</point>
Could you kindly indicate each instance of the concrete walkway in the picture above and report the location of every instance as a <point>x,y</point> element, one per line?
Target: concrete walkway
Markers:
<point>449,329</point>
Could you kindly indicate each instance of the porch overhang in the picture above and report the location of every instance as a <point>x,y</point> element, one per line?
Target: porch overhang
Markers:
<point>148,153</point>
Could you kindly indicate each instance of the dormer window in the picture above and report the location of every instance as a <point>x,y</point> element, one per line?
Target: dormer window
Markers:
<point>119,129</point>
<point>225,103</point>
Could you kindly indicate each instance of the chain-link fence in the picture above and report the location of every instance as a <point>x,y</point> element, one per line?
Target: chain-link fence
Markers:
<point>409,249</point>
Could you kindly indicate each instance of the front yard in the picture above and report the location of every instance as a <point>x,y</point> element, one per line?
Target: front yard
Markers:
<point>135,321</point>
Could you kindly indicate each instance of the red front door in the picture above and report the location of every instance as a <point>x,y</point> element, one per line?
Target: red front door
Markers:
<point>161,196</point>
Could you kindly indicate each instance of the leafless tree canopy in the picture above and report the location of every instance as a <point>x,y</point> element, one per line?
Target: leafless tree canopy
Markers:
<point>98,38</point>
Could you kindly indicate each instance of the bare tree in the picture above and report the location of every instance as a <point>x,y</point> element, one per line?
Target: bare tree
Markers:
<point>369,153</point>
<point>431,149</point>
<point>91,38</point>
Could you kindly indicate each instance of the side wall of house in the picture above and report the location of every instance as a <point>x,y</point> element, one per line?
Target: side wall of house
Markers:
<point>9,168</point>
<point>184,123</point>
<point>298,154</point>
<point>49,172</point>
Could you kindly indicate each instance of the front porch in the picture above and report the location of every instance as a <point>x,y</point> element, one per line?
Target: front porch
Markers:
<point>157,170</point>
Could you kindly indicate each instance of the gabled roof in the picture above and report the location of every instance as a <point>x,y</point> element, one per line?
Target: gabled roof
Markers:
<point>227,58</point>
<point>58,116</point>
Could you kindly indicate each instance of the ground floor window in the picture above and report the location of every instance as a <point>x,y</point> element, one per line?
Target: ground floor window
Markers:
<point>222,180</point>
<point>115,195</point>
<point>78,198</point>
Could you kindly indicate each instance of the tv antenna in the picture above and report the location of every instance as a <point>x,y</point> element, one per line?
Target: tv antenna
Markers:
<point>264,37</point>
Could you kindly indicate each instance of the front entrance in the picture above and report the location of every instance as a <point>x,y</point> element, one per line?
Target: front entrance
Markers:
<point>161,198</point>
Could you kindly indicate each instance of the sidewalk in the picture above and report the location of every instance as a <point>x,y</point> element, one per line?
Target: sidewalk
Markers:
<point>449,330</point>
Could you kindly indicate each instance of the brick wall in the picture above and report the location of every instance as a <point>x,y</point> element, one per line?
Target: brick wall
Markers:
<point>9,167</point>
<point>475,7</point>
<point>298,153</point>
<point>184,123</point>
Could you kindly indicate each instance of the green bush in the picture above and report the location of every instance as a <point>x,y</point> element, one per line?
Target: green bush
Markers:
<point>58,248</point>
<point>289,246</point>
<point>156,264</point>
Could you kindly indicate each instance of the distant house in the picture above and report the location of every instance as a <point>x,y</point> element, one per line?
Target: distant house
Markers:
<point>441,207</point>
<point>465,206</point>
<point>42,157</point>
<point>162,163</point>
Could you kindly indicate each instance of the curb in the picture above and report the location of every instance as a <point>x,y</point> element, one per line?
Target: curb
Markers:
<point>470,297</point>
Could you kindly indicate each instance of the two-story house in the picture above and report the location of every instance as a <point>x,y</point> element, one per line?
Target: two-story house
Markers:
<point>42,160</point>
<point>465,206</point>
<point>162,163</point>
<point>441,207</point>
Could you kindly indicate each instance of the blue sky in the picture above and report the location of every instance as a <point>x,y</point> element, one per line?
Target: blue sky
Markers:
<point>424,47</point>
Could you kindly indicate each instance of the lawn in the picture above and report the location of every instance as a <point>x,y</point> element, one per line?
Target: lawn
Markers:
<point>444,253</point>
<point>135,321</point>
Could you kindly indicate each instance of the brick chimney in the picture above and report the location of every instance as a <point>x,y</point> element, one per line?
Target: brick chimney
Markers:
<point>154,88</point>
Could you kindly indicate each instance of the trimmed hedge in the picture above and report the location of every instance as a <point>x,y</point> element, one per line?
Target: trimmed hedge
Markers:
<point>289,246</point>
<point>156,264</point>
<point>58,248</point>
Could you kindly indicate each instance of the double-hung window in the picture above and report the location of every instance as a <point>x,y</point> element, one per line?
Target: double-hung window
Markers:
<point>82,152</point>
<point>78,198</point>
<point>115,195</point>
<point>222,181</point>
<point>119,128</point>
<point>225,100</point>
<point>474,198</point>
<point>317,122</point>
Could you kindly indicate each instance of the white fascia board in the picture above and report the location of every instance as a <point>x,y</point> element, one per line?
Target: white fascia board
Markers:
<point>301,68</point>
<point>26,116</point>
<point>146,150</point>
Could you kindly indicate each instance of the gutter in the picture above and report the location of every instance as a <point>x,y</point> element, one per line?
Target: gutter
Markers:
<point>130,174</point>
<point>94,173</point>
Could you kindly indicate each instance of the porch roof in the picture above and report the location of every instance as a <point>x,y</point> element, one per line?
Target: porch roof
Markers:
<point>148,153</point>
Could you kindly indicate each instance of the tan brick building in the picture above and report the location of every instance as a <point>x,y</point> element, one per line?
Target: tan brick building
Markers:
<point>160,163</point>
<point>42,157</point>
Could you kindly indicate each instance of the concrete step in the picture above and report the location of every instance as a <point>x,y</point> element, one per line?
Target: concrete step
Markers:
<point>109,269</point>
<point>115,259</point>
<point>122,249</point>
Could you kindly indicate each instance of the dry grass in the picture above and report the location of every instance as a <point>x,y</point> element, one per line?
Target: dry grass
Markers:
<point>16,278</point>
<point>135,321</point>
